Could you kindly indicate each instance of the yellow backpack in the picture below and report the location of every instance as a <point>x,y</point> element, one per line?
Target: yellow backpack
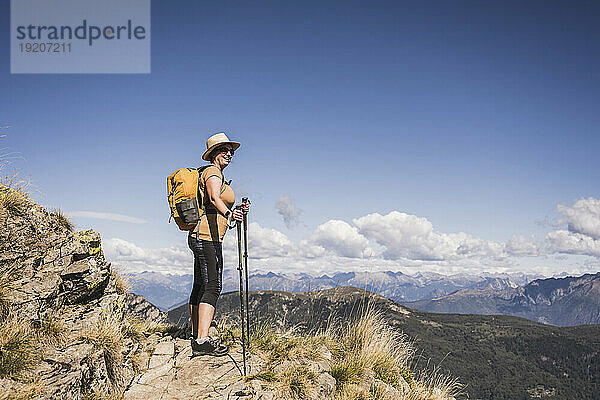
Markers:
<point>185,200</point>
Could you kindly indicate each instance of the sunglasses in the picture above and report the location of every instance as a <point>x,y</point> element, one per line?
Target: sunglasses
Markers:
<point>227,150</point>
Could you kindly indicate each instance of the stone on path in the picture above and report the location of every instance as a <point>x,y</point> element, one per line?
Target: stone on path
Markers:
<point>173,374</point>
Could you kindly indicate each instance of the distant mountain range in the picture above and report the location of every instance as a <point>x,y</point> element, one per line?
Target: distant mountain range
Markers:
<point>557,301</point>
<point>496,357</point>
<point>396,286</point>
<point>165,291</point>
<point>168,291</point>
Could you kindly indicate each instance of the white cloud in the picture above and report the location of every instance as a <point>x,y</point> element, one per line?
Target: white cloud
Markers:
<point>309,250</point>
<point>562,241</point>
<point>582,217</point>
<point>122,249</point>
<point>262,242</point>
<point>582,235</point>
<point>402,235</point>
<point>519,245</point>
<point>286,207</point>
<point>177,260</point>
<point>396,241</point>
<point>106,216</point>
<point>411,237</point>
<point>338,237</point>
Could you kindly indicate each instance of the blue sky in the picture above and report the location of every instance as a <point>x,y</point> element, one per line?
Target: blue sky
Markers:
<point>480,117</point>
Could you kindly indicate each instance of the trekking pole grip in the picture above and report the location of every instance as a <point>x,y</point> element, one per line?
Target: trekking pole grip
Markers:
<point>238,207</point>
<point>245,200</point>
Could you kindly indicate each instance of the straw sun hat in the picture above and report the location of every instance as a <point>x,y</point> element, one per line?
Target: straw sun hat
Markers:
<point>217,140</point>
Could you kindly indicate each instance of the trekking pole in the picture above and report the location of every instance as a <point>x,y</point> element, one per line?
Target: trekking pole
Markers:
<point>240,267</point>
<point>244,201</point>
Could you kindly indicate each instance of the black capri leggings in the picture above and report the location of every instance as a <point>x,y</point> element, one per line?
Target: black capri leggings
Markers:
<point>208,271</point>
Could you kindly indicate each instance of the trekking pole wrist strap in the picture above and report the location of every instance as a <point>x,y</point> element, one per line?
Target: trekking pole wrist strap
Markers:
<point>231,222</point>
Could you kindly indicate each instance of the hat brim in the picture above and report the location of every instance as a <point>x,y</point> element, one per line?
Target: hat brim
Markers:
<point>235,145</point>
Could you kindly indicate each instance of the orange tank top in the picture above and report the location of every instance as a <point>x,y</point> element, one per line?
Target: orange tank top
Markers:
<point>213,225</point>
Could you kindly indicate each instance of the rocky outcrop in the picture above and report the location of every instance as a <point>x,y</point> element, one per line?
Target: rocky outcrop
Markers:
<point>144,310</point>
<point>68,325</point>
<point>70,286</point>
<point>87,274</point>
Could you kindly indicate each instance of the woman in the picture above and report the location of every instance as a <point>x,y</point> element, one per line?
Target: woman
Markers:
<point>205,241</point>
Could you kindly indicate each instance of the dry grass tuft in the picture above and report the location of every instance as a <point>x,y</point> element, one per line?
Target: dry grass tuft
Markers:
<point>296,382</point>
<point>368,360</point>
<point>121,283</point>
<point>51,329</point>
<point>14,201</point>
<point>17,346</point>
<point>347,372</point>
<point>7,274</point>
<point>227,334</point>
<point>135,328</point>
<point>8,180</point>
<point>267,375</point>
<point>107,334</point>
<point>62,220</point>
<point>355,391</point>
<point>13,182</point>
<point>435,386</point>
<point>280,346</point>
<point>370,347</point>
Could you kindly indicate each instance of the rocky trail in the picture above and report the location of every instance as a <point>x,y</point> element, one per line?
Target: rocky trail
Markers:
<point>174,374</point>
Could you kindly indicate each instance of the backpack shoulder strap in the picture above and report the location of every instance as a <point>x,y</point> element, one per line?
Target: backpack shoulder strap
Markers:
<point>201,170</point>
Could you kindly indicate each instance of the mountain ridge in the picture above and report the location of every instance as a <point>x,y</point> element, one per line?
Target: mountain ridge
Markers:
<point>567,301</point>
<point>167,290</point>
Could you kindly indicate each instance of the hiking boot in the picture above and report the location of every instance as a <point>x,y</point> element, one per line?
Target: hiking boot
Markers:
<point>217,341</point>
<point>211,347</point>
